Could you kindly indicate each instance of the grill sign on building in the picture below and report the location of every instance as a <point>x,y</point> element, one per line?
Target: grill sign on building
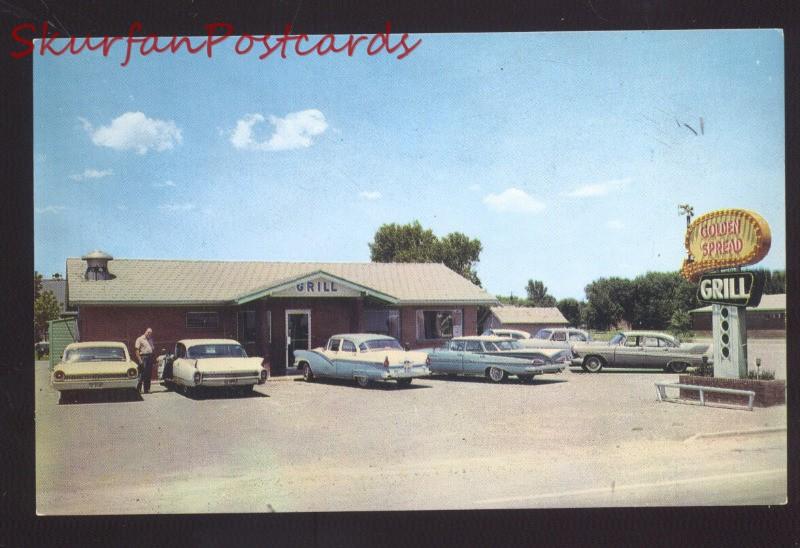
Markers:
<point>318,286</point>
<point>731,288</point>
<point>723,239</point>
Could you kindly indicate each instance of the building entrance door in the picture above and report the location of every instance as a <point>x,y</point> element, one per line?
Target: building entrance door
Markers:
<point>298,333</point>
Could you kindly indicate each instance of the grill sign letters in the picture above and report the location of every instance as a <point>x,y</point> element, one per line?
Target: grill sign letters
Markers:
<point>731,288</point>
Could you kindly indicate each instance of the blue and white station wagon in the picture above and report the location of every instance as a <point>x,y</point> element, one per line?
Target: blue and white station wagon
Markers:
<point>364,357</point>
<point>496,358</point>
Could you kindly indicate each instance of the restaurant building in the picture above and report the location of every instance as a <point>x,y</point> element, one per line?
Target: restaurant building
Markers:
<point>768,318</point>
<point>272,308</point>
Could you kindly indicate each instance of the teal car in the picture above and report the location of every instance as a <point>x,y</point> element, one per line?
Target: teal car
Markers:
<point>496,359</point>
<point>363,357</point>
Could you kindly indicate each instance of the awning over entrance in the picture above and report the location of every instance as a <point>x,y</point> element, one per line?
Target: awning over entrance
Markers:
<point>319,284</point>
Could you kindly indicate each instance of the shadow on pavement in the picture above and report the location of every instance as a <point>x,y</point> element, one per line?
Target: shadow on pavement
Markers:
<point>375,385</point>
<point>99,396</point>
<point>549,379</point>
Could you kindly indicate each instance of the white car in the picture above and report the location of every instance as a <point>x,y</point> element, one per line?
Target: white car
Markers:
<point>94,366</point>
<point>515,334</point>
<point>211,363</point>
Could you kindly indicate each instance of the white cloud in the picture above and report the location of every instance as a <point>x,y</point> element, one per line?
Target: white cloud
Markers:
<point>513,200</point>
<point>175,208</point>
<point>370,194</point>
<point>291,132</point>
<point>91,174</point>
<point>167,183</point>
<point>615,224</point>
<point>475,187</point>
<point>50,209</point>
<point>135,131</point>
<point>597,189</point>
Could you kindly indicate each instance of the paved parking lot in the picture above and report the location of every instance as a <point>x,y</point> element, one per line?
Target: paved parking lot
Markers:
<point>573,439</point>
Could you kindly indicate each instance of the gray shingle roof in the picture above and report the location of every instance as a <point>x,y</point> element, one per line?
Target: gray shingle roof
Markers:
<point>153,281</point>
<point>529,314</point>
<point>768,302</point>
<point>58,287</point>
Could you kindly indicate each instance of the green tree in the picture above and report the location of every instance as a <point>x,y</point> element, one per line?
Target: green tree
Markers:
<point>410,243</point>
<point>680,324</point>
<point>510,299</point>
<point>45,308</point>
<point>608,302</point>
<point>538,295</point>
<point>37,285</point>
<point>571,309</point>
<point>656,296</point>
<point>774,280</point>
<point>460,253</point>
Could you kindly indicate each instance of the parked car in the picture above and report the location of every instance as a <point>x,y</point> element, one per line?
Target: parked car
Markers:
<point>94,366</point>
<point>495,358</point>
<point>211,363</point>
<point>507,333</point>
<point>639,349</point>
<point>561,334</point>
<point>365,357</point>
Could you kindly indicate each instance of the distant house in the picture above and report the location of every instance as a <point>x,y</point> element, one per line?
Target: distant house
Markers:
<point>769,315</point>
<point>525,318</point>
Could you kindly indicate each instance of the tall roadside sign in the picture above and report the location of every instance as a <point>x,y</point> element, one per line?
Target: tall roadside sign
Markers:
<point>727,239</point>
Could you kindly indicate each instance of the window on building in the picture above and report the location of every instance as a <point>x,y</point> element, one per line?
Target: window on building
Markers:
<point>439,324</point>
<point>247,329</point>
<point>384,321</point>
<point>202,320</point>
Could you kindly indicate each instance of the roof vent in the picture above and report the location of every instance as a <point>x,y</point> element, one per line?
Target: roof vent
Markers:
<point>97,265</point>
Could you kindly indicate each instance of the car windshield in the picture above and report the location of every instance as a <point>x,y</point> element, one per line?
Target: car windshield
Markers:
<point>380,344</point>
<point>95,354</point>
<point>616,339</point>
<point>201,351</point>
<point>508,345</point>
<point>543,334</point>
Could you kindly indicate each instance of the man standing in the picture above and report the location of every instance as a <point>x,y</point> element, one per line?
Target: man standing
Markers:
<point>144,348</point>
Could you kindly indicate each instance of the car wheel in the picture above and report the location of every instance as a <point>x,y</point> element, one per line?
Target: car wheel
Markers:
<point>677,367</point>
<point>404,382</point>
<point>496,374</point>
<point>308,375</point>
<point>593,364</point>
<point>363,382</point>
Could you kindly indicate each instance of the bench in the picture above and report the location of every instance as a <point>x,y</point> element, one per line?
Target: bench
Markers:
<point>661,387</point>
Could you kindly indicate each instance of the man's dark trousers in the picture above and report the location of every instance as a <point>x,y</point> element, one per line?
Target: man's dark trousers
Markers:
<point>146,372</point>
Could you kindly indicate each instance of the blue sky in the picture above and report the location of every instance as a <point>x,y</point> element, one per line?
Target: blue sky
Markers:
<point>561,152</point>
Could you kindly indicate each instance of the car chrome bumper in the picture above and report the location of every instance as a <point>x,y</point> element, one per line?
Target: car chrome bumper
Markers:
<point>538,369</point>
<point>104,384</point>
<point>410,373</point>
<point>228,381</point>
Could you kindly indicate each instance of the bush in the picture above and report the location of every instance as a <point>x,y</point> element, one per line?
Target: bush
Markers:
<point>764,375</point>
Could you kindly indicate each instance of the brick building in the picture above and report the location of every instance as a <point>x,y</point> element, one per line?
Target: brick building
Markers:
<point>272,308</point>
<point>525,318</point>
<point>768,316</point>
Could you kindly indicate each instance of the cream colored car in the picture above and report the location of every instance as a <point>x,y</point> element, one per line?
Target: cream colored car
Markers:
<point>94,366</point>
